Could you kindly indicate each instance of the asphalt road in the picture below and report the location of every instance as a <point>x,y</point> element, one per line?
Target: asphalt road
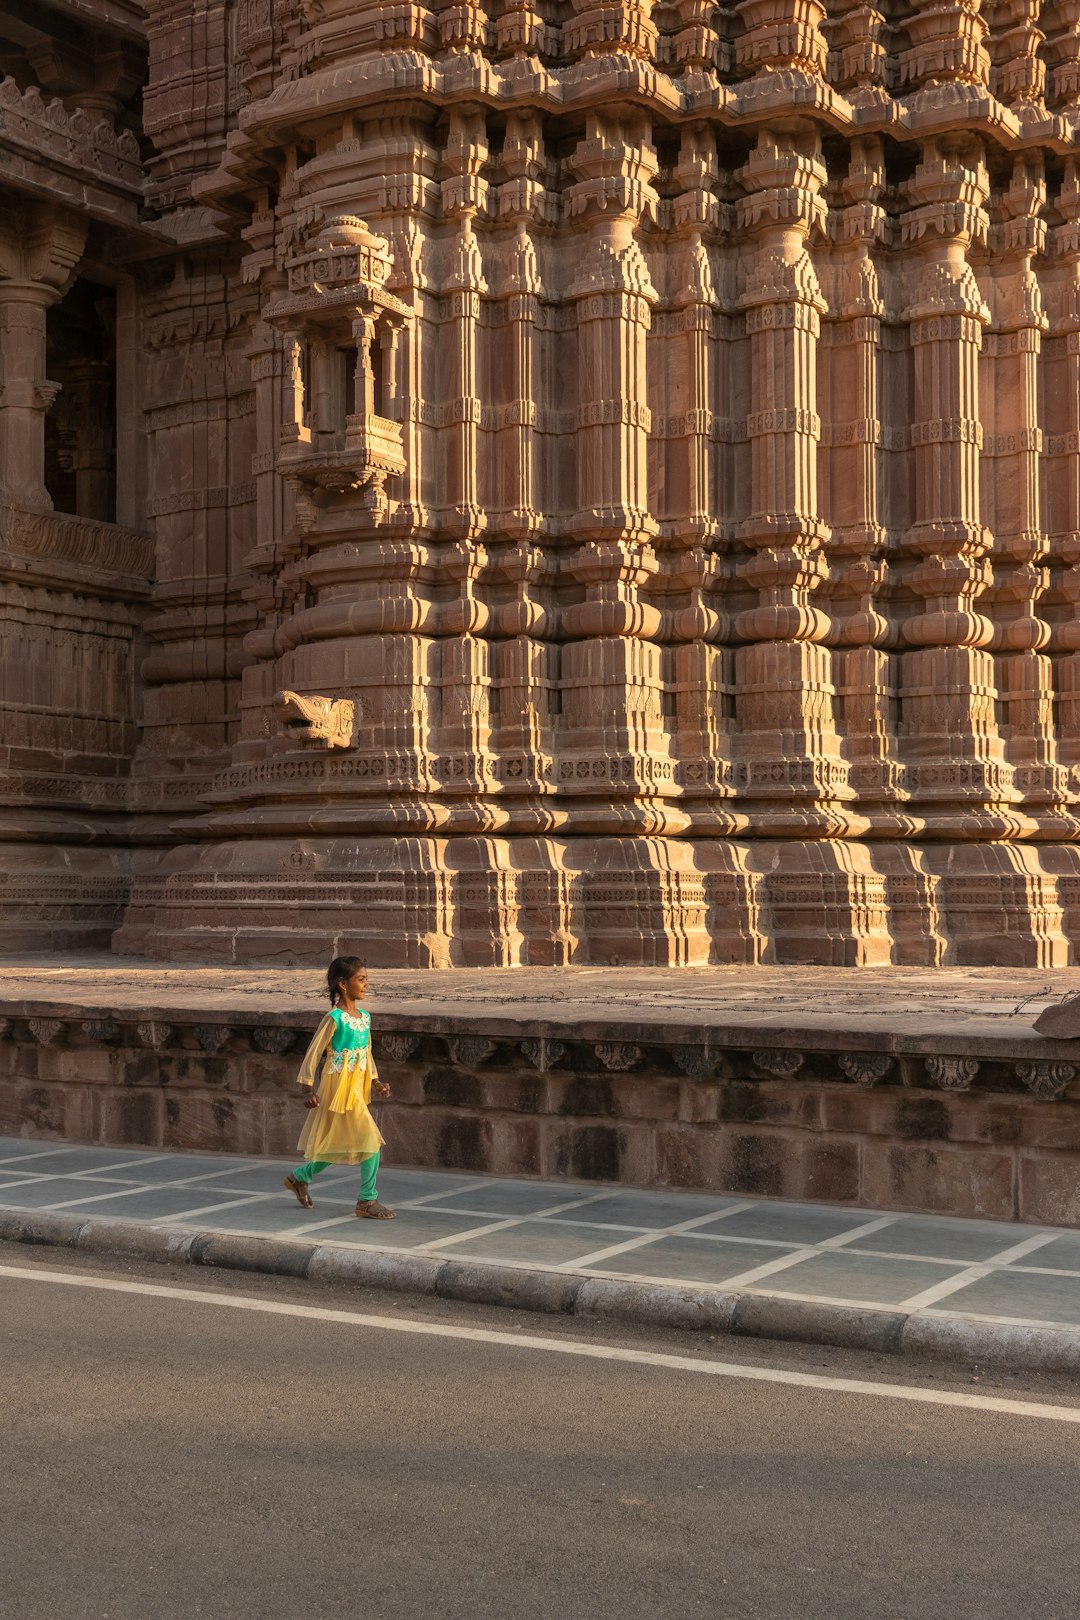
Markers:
<point>165,1457</point>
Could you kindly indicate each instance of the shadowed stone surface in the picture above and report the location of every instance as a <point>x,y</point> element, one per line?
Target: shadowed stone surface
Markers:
<point>457,1049</point>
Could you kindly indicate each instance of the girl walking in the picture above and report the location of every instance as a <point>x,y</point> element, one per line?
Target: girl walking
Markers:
<point>340,1129</point>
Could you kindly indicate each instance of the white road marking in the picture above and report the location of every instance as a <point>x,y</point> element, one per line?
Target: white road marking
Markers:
<point>555,1346</point>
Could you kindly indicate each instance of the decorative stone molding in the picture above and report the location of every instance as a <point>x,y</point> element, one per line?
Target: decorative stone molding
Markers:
<point>952,1073</point>
<point>1047,1081</point>
<point>46,1030</point>
<point>470,1050</point>
<point>695,1062</point>
<point>212,1037</point>
<point>104,547</point>
<point>783,1064</point>
<point>68,140</point>
<point>155,1035</point>
<point>273,1040</point>
<point>544,1053</point>
<point>397,1048</point>
<point>619,1056</point>
<point>105,1030</point>
<point>865,1068</point>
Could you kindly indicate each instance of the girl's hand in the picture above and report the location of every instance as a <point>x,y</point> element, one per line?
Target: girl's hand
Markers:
<point>381,1088</point>
<point>310,1099</point>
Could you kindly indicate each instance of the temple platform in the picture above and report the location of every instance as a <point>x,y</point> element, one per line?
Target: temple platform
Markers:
<point>901,1088</point>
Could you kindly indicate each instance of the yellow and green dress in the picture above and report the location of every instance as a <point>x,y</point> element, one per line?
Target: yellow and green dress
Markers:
<point>341,1130</point>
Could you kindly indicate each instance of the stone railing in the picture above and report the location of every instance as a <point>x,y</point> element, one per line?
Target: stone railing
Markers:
<point>48,130</point>
<point>107,548</point>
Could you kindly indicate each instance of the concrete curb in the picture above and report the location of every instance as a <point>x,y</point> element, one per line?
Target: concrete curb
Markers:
<point>759,1316</point>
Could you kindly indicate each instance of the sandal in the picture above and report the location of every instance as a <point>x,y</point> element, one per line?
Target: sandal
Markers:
<point>303,1197</point>
<point>372,1210</point>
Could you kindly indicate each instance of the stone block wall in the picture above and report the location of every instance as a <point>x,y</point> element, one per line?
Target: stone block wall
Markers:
<point>995,1134</point>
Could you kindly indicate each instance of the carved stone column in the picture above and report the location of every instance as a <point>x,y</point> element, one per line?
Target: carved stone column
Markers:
<point>520,199</point>
<point>464,195</point>
<point>784,672</point>
<point>40,248</point>
<point>1012,493</point>
<point>856,493</point>
<point>948,722</point>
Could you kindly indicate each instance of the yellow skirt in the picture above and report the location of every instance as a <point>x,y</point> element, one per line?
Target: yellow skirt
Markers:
<point>341,1130</point>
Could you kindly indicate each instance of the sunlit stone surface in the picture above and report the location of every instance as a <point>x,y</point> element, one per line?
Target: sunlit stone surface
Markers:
<point>591,482</point>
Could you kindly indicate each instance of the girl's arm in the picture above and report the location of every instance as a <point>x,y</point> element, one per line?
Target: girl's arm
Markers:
<point>309,1069</point>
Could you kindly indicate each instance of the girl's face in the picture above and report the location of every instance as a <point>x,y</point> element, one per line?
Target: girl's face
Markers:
<point>355,989</point>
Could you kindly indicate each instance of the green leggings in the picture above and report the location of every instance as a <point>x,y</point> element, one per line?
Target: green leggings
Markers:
<point>369,1170</point>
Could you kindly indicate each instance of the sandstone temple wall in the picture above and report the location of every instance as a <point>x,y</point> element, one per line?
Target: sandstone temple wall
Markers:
<point>609,472</point>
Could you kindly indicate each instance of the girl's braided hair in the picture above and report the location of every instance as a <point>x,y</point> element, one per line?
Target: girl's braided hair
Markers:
<point>341,969</point>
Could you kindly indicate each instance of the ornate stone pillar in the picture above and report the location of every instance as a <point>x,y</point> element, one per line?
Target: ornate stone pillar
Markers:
<point>39,251</point>
<point>957,775</point>
<point>685,386</point>
<point>856,503</point>
<point>613,295</point>
<point>519,200</point>
<point>464,195</point>
<point>1013,498</point>
<point>612,667</point>
<point>784,676</point>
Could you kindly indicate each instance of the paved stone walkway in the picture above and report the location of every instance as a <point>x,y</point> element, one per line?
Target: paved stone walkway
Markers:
<point>916,1002</point>
<point>934,1265</point>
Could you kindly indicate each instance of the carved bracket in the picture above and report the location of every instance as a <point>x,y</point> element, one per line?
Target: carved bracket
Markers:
<point>470,1050</point>
<point>105,1030</point>
<point>865,1068</point>
<point>782,1064</point>
<point>543,1054</point>
<point>155,1035</point>
<point>211,1037</point>
<point>274,1040</point>
<point>1047,1081</point>
<point>619,1056</point>
<point>45,1030</point>
<point>397,1048</point>
<point>695,1062</point>
<point>952,1073</point>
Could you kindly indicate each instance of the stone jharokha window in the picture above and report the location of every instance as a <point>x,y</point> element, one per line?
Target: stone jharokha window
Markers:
<point>340,330</point>
<point>80,427</point>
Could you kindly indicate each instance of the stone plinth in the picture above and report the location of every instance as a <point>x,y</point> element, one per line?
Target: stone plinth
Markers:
<point>775,1084</point>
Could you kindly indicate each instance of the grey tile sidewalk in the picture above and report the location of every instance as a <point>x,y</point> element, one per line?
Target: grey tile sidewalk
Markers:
<point>984,1270</point>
